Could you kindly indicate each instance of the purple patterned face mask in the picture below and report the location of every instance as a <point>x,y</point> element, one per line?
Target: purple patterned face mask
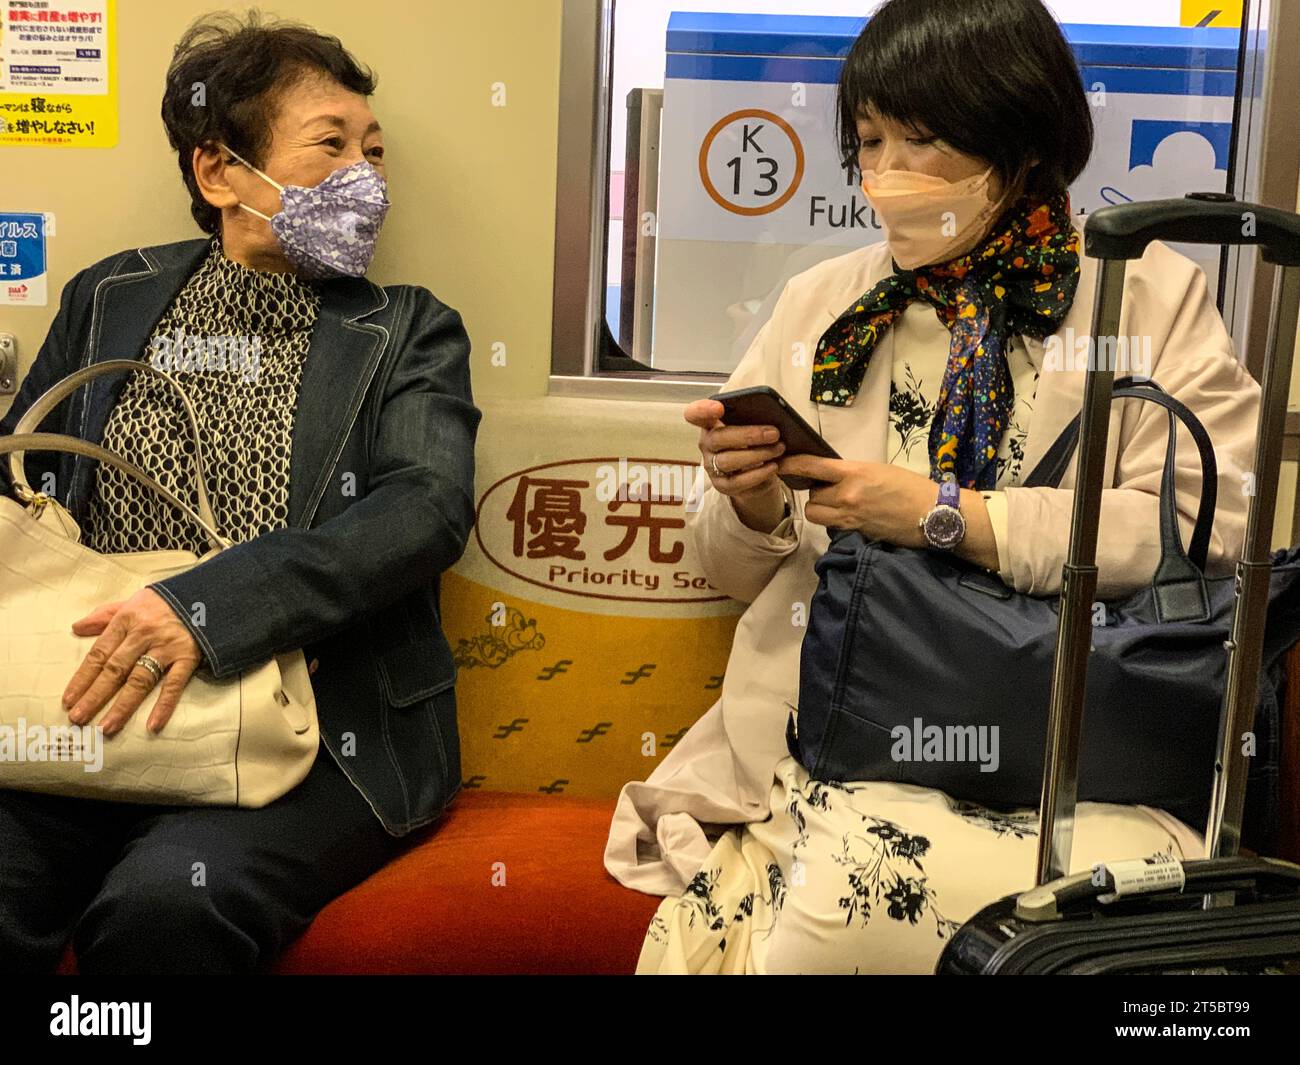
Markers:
<point>329,230</point>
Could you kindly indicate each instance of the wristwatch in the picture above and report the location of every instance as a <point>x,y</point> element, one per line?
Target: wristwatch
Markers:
<point>944,526</point>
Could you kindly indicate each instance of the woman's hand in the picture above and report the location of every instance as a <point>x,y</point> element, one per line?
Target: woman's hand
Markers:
<point>741,463</point>
<point>881,501</point>
<point>885,502</point>
<point>142,625</point>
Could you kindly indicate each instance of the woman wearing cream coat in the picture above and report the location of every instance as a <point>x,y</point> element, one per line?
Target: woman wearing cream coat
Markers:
<point>764,869</point>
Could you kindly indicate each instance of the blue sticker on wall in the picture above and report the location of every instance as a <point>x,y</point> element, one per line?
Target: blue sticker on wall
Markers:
<point>22,259</point>
<point>1150,133</point>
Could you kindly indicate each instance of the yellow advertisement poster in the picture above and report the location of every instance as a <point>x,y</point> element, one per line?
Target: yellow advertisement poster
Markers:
<point>58,73</point>
<point>1212,12</point>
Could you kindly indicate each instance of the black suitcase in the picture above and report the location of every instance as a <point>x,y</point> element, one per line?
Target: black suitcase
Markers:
<point>1222,913</point>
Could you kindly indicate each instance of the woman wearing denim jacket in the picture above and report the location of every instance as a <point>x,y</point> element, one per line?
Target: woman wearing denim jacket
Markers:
<point>340,457</point>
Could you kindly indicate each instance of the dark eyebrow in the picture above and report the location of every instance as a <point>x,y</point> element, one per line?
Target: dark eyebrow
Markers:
<point>339,123</point>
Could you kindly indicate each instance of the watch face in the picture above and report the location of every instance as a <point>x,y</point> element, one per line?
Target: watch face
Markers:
<point>945,527</point>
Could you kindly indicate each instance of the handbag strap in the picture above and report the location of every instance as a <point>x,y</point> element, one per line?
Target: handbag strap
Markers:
<point>1178,587</point>
<point>1056,460</point>
<point>42,406</point>
<point>19,442</point>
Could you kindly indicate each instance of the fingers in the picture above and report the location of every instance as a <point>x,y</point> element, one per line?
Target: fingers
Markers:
<point>737,473</point>
<point>139,683</point>
<point>731,463</point>
<point>94,623</point>
<point>740,483</point>
<point>110,671</point>
<point>173,685</point>
<point>831,471</point>
<point>738,437</point>
<point>820,514</point>
<point>704,413</point>
<point>99,658</point>
<point>119,672</point>
<point>740,458</point>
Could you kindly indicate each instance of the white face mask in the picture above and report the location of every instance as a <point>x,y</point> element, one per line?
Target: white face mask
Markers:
<point>928,220</point>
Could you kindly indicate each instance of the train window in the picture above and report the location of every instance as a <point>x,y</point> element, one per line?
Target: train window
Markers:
<point>699,169</point>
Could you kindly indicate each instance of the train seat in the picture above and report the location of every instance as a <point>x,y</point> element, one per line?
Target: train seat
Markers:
<point>512,882</point>
<point>504,883</point>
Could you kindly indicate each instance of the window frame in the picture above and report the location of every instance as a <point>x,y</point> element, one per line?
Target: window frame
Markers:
<point>581,223</point>
<point>1265,168</point>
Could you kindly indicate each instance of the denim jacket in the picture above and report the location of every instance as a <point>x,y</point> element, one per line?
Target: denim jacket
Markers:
<point>353,579</point>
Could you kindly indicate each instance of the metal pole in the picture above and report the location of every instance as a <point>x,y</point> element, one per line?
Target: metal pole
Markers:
<point>1245,645</point>
<point>1079,588</point>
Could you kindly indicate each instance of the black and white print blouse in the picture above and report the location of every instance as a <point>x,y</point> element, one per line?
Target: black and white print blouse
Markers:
<point>235,339</point>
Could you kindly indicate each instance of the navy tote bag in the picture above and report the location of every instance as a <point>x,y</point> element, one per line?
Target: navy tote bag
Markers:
<point>921,668</point>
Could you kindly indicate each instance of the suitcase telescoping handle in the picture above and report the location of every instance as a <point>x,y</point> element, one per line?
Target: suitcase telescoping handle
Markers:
<point>1047,902</point>
<point>1125,231</point>
<point>1115,235</point>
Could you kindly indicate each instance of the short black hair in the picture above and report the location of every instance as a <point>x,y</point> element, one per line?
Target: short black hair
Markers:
<point>242,67</point>
<point>995,79</point>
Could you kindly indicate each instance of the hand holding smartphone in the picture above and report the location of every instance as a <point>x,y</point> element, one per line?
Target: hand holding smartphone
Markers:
<point>764,405</point>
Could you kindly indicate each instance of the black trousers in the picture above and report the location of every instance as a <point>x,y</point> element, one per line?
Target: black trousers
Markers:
<point>167,889</point>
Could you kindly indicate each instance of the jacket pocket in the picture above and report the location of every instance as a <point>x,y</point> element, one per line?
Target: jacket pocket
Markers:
<point>416,671</point>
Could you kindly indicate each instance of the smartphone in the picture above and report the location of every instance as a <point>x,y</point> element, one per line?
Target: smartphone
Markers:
<point>764,405</point>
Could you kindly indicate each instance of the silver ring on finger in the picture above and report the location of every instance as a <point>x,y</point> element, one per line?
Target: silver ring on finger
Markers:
<point>713,460</point>
<point>152,665</point>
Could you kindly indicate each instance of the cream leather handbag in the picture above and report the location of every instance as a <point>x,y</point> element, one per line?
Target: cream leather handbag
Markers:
<point>243,741</point>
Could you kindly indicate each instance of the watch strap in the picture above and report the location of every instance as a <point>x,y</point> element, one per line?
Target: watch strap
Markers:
<point>949,495</point>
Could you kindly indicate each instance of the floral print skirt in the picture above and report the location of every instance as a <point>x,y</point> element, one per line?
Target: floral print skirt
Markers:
<point>870,877</point>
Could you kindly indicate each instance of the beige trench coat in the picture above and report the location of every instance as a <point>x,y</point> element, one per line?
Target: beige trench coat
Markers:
<point>720,773</point>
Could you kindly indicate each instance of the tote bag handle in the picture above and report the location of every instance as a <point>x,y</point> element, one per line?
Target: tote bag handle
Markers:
<point>37,412</point>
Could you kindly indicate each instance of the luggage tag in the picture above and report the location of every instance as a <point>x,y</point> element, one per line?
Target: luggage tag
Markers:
<point>1141,876</point>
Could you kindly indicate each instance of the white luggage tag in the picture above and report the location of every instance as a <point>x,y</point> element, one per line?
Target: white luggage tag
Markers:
<point>1142,876</point>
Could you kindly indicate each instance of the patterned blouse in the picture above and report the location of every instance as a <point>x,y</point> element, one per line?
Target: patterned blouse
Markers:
<point>913,393</point>
<point>235,340</point>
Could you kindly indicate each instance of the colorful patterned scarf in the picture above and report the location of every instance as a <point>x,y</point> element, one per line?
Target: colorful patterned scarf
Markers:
<point>1020,281</point>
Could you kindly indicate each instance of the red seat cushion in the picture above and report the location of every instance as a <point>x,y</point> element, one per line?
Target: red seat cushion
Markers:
<point>436,909</point>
